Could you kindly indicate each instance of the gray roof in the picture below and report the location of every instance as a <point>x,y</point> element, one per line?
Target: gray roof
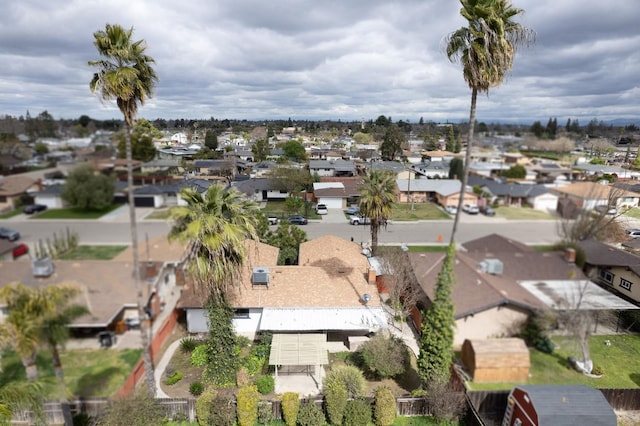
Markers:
<point>341,165</point>
<point>394,166</point>
<point>250,186</point>
<point>499,189</point>
<point>569,405</point>
<point>602,254</point>
<point>441,186</point>
<point>51,190</point>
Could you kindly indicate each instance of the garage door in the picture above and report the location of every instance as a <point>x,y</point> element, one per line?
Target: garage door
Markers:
<point>331,203</point>
<point>144,202</point>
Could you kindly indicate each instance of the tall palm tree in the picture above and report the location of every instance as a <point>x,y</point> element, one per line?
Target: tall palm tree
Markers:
<point>377,196</point>
<point>215,224</point>
<point>125,73</point>
<point>486,49</point>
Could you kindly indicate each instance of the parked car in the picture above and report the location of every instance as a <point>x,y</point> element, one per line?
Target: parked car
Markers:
<point>359,220</point>
<point>298,220</point>
<point>9,234</point>
<point>487,211</point>
<point>634,234</point>
<point>19,250</point>
<point>451,210</point>
<point>273,220</point>
<point>322,209</point>
<point>606,209</point>
<point>34,208</point>
<point>353,210</point>
<point>470,209</point>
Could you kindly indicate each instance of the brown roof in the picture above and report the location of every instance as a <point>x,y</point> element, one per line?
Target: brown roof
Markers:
<point>15,185</point>
<point>592,190</point>
<point>520,261</point>
<point>106,286</point>
<point>334,275</point>
<point>473,291</point>
<point>352,184</point>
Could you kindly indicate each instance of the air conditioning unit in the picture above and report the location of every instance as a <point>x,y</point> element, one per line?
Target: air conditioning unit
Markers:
<point>491,266</point>
<point>260,276</point>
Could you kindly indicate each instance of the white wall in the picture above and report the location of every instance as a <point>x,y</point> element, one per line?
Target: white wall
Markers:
<point>544,202</point>
<point>248,327</point>
<point>495,322</point>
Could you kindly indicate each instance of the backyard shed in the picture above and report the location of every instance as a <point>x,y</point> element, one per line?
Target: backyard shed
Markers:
<point>558,405</point>
<point>496,360</point>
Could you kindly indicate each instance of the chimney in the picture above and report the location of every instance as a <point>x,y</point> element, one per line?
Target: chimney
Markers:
<point>371,277</point>
<point>570,255</point>
<point>151,270</point>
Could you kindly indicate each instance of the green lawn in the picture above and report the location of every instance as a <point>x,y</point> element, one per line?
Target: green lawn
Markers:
<point>10,214</point>
<point>277,209</point>
<point>74,213</point>
<point>618,361</point>
<point>93,253</point>
<point>634,213</point>
<point>158,214</point>
<point>522,213</point>
<point>86,372</point>
<point>420,211</point>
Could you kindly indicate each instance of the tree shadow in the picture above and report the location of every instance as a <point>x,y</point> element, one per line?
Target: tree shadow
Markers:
<point>90,383</point>
<point>635,377</point>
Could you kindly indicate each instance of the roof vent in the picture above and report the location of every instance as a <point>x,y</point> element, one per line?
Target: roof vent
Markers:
<point>491,266</point>
<point>260,276</point>
<point>42,268</point>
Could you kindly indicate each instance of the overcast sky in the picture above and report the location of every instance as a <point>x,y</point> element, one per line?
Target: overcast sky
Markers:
<point>321,59</point>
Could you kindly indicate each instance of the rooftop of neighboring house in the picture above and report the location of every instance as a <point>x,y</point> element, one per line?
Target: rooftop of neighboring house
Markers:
<point>511,189</point>
<point>592,190</point>
<point>601,254</point>
<point>441,186</point>
<point>15,185</point>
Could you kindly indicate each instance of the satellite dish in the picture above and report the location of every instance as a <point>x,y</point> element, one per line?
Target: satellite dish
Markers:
<point>366,297</point>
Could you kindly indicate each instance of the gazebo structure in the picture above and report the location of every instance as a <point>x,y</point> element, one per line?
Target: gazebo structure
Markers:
<point>300,355</point>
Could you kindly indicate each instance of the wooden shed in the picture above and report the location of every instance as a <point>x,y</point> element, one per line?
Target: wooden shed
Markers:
<point>496,360</point>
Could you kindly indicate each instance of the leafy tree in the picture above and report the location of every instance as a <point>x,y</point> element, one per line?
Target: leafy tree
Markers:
<point>385,406</point>
<point>288,238</point>
<point>456,168</point>
<point>362,138</point>
<point>211,140</point>
<point>486,49</point>
<point>436,343</point>
<point>125,73</point>
<point>88,190</point>
<point>515,172</point>
<point>537,129</point>
<point>138,409</point>
<point>142,147</point>
<point>215,224</point>
<point>41,148</point>
<point>385,357</point>
<point>294,151</point>
<point>451,140</point>
<point>290,179</point>
<point>260,149</point>
<point>377,196</point>
<point>392,143</point>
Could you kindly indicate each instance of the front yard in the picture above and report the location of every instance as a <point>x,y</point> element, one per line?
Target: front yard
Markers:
<point>618,362</point>
<point>522,213</point>
<point>74,213</point>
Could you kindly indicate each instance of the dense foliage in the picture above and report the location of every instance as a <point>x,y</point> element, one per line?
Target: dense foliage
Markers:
<point>247,405</point>
<point>384,407</point>
<point>357,413</point>
<point>385,357</point>
<point>335,394</point>
<point>351,377</point>
<point>290,407</point>
<point>310,414</point>
<point>87,189</point>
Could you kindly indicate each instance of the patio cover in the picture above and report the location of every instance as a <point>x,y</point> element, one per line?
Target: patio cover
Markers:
<point>323,319</point>
<point>561,295</point>
<point>299,349</point>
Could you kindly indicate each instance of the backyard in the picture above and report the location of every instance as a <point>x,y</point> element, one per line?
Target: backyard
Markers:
<point>618,361</point>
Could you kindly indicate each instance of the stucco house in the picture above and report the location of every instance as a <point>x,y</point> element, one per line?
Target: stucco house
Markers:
<point>12,188</point>
<point>589,195</point>
<point>337,167</point>
<point>331,291</point>
<point>445,192</point>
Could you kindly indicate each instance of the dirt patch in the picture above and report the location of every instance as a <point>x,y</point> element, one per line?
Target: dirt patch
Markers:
<point>181,362</point>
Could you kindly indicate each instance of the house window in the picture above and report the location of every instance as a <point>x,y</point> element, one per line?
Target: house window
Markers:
<point>606,276</point>
<point>625,284</point>
<point>242,313</point>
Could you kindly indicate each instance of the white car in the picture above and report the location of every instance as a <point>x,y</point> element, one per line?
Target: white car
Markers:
<point>359,220</point>
<point>273,220</point>
<point>322,209</point>
<point>470,209</point>
<point>451,210</point>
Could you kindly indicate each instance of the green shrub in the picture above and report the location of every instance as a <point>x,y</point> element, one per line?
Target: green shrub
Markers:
<point>196,388</point>
<point>350,376</point>
<point>253,364</point>
<point>385,357</point>
<point>188,344</point>
<point>175,378</point>
<point>310,414</point>
<point>597,370</point>
<point>203,407</point>
<point>265,384</point>
<point>290,407</point>
<point>223,412</point>
<point>335,394</point>
<point>265,412</point>
<point>199,356</point>
<point>534,333</point>
<point>247,405</point>
<point>385,407</point>
<point>357,413</point>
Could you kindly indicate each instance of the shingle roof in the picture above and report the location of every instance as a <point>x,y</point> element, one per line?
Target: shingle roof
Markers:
<point>602,254</point>
<point>15,185</point>
<point>441,186</point>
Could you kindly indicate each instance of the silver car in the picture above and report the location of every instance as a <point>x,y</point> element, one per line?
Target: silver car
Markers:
<point>9,234</point>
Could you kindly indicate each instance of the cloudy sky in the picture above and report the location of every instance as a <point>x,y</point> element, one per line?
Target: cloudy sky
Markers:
<point>321,59</point>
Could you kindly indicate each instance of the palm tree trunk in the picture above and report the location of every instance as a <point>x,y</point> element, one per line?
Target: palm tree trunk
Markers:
<point>467,160</point>
<point>30,367</point>
<point>374,236</point>
<point>62,389</point>
<point>144,334</point>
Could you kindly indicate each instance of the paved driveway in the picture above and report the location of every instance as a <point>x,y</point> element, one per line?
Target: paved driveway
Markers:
<point>334,216</point>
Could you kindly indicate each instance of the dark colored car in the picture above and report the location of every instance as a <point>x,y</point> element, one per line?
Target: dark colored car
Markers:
<point>9,234</point>
<point>487,211</point>
<point>34,208</point>
<point>298,220</point>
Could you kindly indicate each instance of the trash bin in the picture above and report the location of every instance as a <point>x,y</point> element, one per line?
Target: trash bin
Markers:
<point>107,339</point>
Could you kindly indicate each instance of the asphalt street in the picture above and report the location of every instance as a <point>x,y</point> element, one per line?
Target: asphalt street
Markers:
<point>114,229</point>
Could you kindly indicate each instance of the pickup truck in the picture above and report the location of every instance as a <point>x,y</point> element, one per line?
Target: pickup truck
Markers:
<point>359,220</point>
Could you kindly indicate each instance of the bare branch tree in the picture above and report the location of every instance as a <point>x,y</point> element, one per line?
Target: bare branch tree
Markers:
<point>400,281</point>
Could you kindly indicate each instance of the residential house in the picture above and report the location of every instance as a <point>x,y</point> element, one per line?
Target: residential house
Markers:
<point>590,195</point>
<point>337,168</point>
<point>51,196</point>
<point>432,169</point>
<point>615,270</point>
<point>107,287</point>
<point>487,169</point>
<point>12,188</point>
<point>223,168</point>
<point>337,193</point>
<point>594,170</point>
<point>329,292</point>
<point>513,194</point>
<point>445,192</point>
<point>442,156</point>
<point>258,189</point>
